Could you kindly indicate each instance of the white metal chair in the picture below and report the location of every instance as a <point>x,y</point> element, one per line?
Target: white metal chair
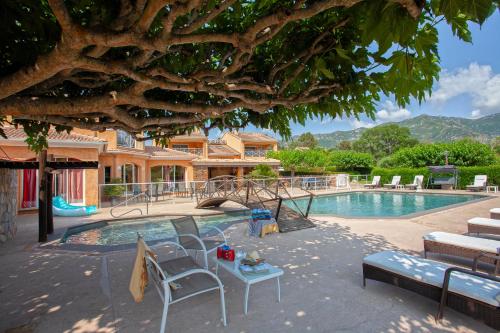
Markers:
<point>188,235</point>
<point>186,273</point>
<point>342,182</point>
<point>480,182</point>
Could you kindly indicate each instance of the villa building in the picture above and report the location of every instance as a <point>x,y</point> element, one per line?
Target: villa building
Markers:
<point>122,159</point>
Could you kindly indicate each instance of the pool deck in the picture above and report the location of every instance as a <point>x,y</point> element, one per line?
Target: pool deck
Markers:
<point>61,291</point>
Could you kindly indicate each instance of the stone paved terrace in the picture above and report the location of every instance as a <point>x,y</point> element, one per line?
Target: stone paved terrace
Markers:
<point>54,291</point>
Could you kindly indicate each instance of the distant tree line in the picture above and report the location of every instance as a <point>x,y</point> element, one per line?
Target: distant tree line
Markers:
<point>386,146</point>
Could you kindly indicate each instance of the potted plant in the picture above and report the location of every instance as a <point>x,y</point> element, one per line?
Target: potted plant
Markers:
<point>114,191</point>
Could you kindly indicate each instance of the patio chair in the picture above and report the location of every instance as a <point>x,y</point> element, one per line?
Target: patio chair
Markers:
<point>472,293</point>
<point>480,182</point>
<point>375,182</point>
<point>418,180</point>
<point>188,235</point>
<point>179,279</point>
<point>394,183</point>
<point>482,225</point>
<point>478,249</point>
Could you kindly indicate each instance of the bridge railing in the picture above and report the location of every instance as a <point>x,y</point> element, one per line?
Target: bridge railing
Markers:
<point>244,189</point>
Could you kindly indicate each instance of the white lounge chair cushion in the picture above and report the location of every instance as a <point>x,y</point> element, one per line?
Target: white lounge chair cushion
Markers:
<point>432,272</point>
<point>473,243</point>
<point>495,210</point>
<point>485,222</point>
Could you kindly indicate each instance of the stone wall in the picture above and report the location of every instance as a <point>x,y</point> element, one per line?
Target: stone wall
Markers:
<point>8,204</point>
<point>200,173</point>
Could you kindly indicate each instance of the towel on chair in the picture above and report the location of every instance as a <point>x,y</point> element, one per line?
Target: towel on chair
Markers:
<point>139,277</point>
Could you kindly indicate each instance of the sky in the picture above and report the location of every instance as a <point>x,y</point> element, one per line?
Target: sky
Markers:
<point>469,84</point>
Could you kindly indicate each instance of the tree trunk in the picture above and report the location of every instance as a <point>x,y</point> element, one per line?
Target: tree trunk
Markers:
<point>42,197</point>
<point>50,217</point>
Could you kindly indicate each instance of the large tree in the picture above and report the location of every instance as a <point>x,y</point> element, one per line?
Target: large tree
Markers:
<point>384,140</point>
<point>305,140</point>
<point>163,67</point>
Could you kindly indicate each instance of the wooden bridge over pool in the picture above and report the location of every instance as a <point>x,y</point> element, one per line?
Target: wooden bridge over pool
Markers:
<point>267,194</point>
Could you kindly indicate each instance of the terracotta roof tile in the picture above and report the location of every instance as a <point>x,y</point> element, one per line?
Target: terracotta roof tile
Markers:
<point>221,150</point>
<point>13,133</point>
<point>254,137</point>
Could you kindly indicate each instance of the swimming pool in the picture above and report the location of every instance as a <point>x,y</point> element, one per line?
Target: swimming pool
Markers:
<point>381,204</point>
<point>123,233</point>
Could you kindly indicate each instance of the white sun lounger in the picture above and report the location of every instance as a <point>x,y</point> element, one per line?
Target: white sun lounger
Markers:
<point>394,183</point>
<point>419,180</point>
<point>495,213</point>
<point>480,182</point>
<point>483,225</point>
<point>469,292</point>
<point>375,182</point>
<point>485,250</point>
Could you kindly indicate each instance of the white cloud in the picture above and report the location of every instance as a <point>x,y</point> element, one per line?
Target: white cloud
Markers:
<point>475,114</point>
<point>355,123</point>
<point>392,113</point>
<point>477,81</point>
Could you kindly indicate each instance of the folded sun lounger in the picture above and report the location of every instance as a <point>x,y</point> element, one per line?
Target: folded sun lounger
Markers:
<point>462,246</point>
<point>482,225</point>
<point>472,293</point>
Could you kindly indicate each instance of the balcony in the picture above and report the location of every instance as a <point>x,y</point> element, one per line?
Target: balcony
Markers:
<point>194,151</point>
<point>257,152</point>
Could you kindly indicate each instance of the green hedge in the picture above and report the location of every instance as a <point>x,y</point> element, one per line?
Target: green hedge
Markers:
<point>466,174</point>
<point>407,174</point>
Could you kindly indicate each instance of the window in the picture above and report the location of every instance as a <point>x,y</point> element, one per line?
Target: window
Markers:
<point>129,173</point>
<point>107,175</point>
<point>124,139</point>
<point>180,146</point>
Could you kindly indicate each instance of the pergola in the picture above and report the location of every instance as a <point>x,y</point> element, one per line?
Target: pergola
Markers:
<point>46,174</point>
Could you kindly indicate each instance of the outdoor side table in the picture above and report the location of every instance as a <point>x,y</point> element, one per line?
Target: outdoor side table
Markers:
<point>492,188</point>
<point>230,267</point>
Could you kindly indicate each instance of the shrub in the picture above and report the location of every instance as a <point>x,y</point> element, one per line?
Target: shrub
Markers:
<point>114,190</point>
<point>466,176</point>
<point>407,174</point>
<point>263,171</point>
<point>345,160</point>
<point>319,161</point>
<point>465,152</point>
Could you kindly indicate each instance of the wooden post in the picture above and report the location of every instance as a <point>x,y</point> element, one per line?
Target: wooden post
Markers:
<point>50,217</point>
<point>42,197</point>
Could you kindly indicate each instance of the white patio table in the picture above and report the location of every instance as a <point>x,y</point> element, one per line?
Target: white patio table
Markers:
<point>233,269</point>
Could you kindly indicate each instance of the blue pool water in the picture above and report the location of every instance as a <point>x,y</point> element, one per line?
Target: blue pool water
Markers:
<point>379,204</point>
<point>121,232</point>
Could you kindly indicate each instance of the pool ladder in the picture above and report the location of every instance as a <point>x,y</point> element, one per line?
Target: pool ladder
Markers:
<point>146,196</point>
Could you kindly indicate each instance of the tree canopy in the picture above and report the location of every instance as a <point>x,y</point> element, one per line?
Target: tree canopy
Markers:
<point>164,67</point>
<point>465,152</point>
<point>305,140</point>
<point>384,140</point>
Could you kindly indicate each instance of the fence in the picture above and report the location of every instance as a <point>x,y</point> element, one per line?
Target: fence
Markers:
<point>173,192</point>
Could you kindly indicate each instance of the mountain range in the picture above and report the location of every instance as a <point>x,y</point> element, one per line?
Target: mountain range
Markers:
<point>428,129</point>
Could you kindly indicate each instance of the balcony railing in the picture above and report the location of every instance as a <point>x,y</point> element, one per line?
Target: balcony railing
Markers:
<point>257,152</point>
<point>195,151</point>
